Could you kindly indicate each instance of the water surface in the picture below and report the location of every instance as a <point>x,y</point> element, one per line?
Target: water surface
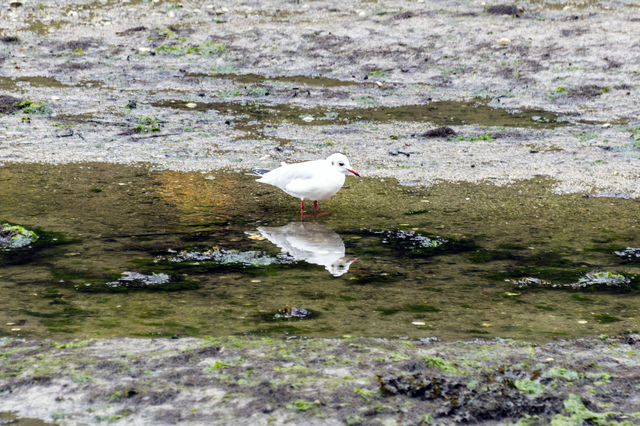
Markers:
<point>125,251</point>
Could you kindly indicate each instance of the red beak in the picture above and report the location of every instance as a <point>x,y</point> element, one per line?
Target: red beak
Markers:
<point>354,172</point>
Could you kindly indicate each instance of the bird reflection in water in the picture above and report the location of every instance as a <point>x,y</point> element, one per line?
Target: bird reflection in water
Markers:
<point>311,242</point>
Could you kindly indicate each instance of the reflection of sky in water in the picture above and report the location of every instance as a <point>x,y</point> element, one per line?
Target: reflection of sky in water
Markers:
<point>311,242</point>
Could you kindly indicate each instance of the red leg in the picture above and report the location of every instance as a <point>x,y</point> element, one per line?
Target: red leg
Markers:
<point>315,207</point>
<point>302,207</point>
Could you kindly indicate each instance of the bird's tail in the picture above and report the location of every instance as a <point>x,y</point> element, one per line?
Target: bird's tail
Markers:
<point>258,172</point>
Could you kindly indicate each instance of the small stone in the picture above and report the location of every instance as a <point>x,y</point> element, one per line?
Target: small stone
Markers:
<point>224,9</point>
<point>171,14</point>
<point>582,322</point>
<point>256,281</point>
<point>197,11</point>
<point>175,336</point>
<point>201,95</point>
<point>308,119</point>
<point>15,329</point>
<point>55,98</point>
<point>504,41</point>
<point>65,133</point>
<point>317,402</point>
<point>362,13</point>
<point>548,360</point>
<point>606,125</point>
<point>417,323</point>
<point>379,83</point>
<point>144,49</point>
<point>210,178</point>
<point>191,105</point>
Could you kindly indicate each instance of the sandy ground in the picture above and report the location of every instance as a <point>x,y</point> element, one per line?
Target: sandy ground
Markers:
<point>86,62</point>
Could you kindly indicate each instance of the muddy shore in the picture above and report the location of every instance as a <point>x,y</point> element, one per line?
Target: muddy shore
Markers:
<point>252,381</point>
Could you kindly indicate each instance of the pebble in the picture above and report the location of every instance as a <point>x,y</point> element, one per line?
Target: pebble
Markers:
<point>197,11</point>
<point>144,49</point>
<point>582,322</point>
<point>210,178</point>
<point>548,360</point>
<point>504,41</point>
<point>191,105</point>
<point>171,14</point>
<point>308,119</point>
<point>417,323</point>
<point>606,125</point>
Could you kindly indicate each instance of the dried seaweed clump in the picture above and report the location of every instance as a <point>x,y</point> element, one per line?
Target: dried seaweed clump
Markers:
<point>9,39</point>
<point>500,395</point>
<point>15,236</point>
<point>440,132</point>
<point>505,9</point>
<point>8,104</point>
<point>590,279</point>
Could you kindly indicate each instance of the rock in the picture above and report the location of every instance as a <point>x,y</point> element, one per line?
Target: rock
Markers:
<point>393,151</point>
<point>439,132</point>
<point>504,41</point>
<point>308,119</point>
<point>631,339</point>
<point>191,105</point>
<point>171,14</point>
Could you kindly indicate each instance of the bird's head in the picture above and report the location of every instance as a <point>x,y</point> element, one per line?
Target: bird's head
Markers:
<point>340,266</point>
<point>341,163</point>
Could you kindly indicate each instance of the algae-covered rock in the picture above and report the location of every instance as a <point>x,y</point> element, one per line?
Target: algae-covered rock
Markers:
<point>15,236</point>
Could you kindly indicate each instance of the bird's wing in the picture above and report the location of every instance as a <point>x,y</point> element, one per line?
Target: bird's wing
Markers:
<point>282,176</point>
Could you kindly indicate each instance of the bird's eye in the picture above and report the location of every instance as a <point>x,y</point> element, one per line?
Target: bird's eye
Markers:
<point>341,266</point>
<point>341,163</point>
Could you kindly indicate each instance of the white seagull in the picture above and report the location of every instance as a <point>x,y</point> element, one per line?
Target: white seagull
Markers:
<point>311,180</point>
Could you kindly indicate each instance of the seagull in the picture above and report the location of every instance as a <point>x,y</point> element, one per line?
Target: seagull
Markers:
<point>311,180</point>
<point>311,242</point>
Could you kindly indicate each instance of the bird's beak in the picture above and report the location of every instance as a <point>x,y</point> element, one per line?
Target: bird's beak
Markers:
<point>354,172</point>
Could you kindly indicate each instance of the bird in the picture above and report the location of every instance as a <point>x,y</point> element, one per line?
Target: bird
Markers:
<point>311,242</point>
<point>311,180</point>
